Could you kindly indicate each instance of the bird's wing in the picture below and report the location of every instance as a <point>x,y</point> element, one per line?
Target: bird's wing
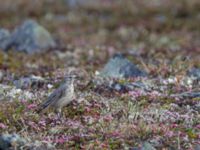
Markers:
<point>56,95</point>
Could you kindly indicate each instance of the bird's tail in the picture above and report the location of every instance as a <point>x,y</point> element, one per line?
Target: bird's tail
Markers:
<point>41,108</point>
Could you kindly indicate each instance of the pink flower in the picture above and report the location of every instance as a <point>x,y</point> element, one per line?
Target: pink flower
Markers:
<point>23,101</point>
<point>87,109</point>
<point>103,146</point>
<point>31,106</point>
<point>154,94</point>
<point>33,124</point>
<point>97,105</point>
<point>47,139</point>
<point>111,51</point>
<point>108,118</point>
<point>73,124</point>
<point>136,93</point>
<point>60,140</point>
<point>42,122</point>
<point>174,125</point>
<point>169,134</point>
<point>3,126</point>
<point>198,126</point>
<point>116,134</point>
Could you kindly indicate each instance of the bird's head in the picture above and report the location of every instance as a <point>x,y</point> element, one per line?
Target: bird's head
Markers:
<point>71,78</point>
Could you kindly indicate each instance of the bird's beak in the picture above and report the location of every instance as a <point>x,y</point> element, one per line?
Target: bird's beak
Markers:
<point>77,77</point>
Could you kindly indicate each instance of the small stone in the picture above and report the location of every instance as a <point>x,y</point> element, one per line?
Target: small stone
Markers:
<point>147,146</point>
<point>120,67</point>
<point>197,147</point>
<point>197,107</point>
<point>29,82</point>
<point>144,146</point>
<point>160,18</point>
<point>1,75</point>
<point>117,86</point>
<point>4,38</point>
<point>135,148</point>
<point>11,140</point>
<point>83,3</point>
<point>31,38</point>
<point>187,95</point>
<point>138,84</point>
<point>194,72</point>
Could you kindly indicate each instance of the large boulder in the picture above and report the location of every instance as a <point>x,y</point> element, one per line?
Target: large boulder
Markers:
<point>30,37</point>
<point>120,67</point>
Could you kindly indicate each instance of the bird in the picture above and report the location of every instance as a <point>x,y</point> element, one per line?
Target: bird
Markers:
<point>61,96</point>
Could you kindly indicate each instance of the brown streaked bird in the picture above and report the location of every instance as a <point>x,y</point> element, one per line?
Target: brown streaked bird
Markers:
<point>60,97</point>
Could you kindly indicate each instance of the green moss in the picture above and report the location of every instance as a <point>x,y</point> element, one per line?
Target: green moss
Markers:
<point>191,133</point>
<point>114,144</point>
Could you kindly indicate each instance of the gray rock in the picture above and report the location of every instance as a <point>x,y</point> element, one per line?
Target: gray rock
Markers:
<point>71,3</point>
<point>145,146</point>
<point>39,145</point>
<point>194,72</point>
<point>11,140</point>
<point>197,107</point>
<point>138,84</point>
<point>187,95</point>
<point>4,38</point>
<point>197,147</point>
<point>125,87</point>
<point>29,82</point>
<point>83,3</point>
<point>31,38</point>
<point>1,75</point>
<point>135,148</point>
<point>117,86</point>
<point>120,67</point>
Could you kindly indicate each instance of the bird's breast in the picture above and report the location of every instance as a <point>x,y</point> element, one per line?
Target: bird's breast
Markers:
<point>66,99</point>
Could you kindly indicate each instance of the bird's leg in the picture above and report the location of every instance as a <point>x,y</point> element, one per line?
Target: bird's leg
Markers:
<point>59,114</point>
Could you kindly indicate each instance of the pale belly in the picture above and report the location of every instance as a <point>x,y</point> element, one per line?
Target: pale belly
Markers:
<point>64,101</point>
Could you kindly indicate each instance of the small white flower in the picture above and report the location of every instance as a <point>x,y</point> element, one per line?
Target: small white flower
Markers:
<point>50,86</point>
<point>97,73</point>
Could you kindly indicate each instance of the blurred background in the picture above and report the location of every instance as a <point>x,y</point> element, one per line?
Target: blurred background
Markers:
<point>121,23</point>
<point>151,29</point>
